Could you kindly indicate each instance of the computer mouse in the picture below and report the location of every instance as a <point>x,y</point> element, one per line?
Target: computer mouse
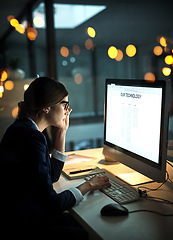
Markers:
<point>114,209</point>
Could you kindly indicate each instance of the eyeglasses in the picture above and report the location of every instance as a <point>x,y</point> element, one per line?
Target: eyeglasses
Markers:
<point>66,104</point>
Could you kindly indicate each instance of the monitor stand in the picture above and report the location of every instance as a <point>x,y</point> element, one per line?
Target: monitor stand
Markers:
<point>134,178</point>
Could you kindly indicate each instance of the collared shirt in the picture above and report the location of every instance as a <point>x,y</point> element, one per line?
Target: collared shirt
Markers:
<point>62,157</point>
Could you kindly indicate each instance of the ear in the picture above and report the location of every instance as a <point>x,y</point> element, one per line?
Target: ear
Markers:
<point>46,110</point>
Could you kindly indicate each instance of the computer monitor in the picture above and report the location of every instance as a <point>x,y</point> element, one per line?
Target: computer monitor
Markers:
<point>136,119</point>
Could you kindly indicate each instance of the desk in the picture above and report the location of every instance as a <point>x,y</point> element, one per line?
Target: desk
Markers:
<point>135,226</point>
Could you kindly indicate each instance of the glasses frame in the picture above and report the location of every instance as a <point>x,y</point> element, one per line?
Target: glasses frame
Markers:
<point>66,104</point>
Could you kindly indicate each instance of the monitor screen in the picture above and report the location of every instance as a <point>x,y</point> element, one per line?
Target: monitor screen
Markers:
<point>136,123</point>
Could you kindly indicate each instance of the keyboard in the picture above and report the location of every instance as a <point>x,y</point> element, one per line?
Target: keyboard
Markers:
<point>120,191</point>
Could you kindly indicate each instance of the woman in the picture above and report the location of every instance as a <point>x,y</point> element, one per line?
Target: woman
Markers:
<point>27,171</point>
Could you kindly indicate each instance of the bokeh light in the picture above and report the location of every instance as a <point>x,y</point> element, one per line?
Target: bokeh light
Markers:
<point>119,56</point>
<point>130,50</point>
<point>89,44</point>
<point>112,52</point>
<point>14,22</point>
<point>163,41</point>
<point>10,17</point>
<point>39,21</point>
<point>4,75</point>
<point>32,33</point>
<point>9,85</point>
<point>64,51</point>
<point>15,112</point>
<point>166,71</point>
<point>150,77</point>
<point>20,28</point>
<point>76,50</point>
<point>78,78</point>
<point>91,32</point>
<point>26,87</point>
<point>1,89</point>
<point>169,59</point>
<point>158,50</point>
<point>64,63</point>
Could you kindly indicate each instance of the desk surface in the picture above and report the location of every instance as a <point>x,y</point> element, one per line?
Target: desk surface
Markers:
<point>140,225</point>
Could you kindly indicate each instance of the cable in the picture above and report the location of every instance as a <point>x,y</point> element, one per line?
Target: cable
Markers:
<point>172,167</point>
<point>169,163</point>
<point>154,189</point>
<point>143,194</point>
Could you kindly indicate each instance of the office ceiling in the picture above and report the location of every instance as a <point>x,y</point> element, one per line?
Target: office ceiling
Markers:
<point>124,21</point>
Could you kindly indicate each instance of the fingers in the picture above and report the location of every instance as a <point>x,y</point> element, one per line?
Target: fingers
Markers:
<point>99,182</point>
<point>105,181</point>
<point>68,111</point>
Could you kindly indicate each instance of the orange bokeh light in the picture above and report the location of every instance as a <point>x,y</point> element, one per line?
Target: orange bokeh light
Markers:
<point>119,56</point>
<point>89,44</point>
<point>158,50</point>
<point>64,51</point>
<point>10,17</point>
<point>130,50</point>
<point>9,85</point>
<point>4,75</point>
<point>15,112</point>
<point>20,28</point>
<point>78,78</point>
<point>32,33</point>
<point>163,42</point>
<point>76,50</point>
<point>150,77</point>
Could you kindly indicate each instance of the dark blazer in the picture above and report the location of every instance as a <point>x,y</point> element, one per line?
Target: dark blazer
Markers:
<point>27,174</point>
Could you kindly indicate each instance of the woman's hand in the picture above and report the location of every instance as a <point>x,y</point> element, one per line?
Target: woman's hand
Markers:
<point>99,182</point>
<point>66,120</point>
<point>95,183</point>
<point>61,133</point>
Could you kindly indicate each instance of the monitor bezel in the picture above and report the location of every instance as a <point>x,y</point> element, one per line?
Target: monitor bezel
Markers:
<point>131,159</point>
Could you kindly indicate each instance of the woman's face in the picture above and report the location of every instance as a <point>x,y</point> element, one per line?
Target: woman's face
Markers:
<point>58,113</point>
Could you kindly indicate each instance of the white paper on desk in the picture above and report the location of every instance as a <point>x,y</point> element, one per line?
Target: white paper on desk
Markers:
<point>76,158</point>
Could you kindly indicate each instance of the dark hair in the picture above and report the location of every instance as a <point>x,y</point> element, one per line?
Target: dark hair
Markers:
<point>42,92</point>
